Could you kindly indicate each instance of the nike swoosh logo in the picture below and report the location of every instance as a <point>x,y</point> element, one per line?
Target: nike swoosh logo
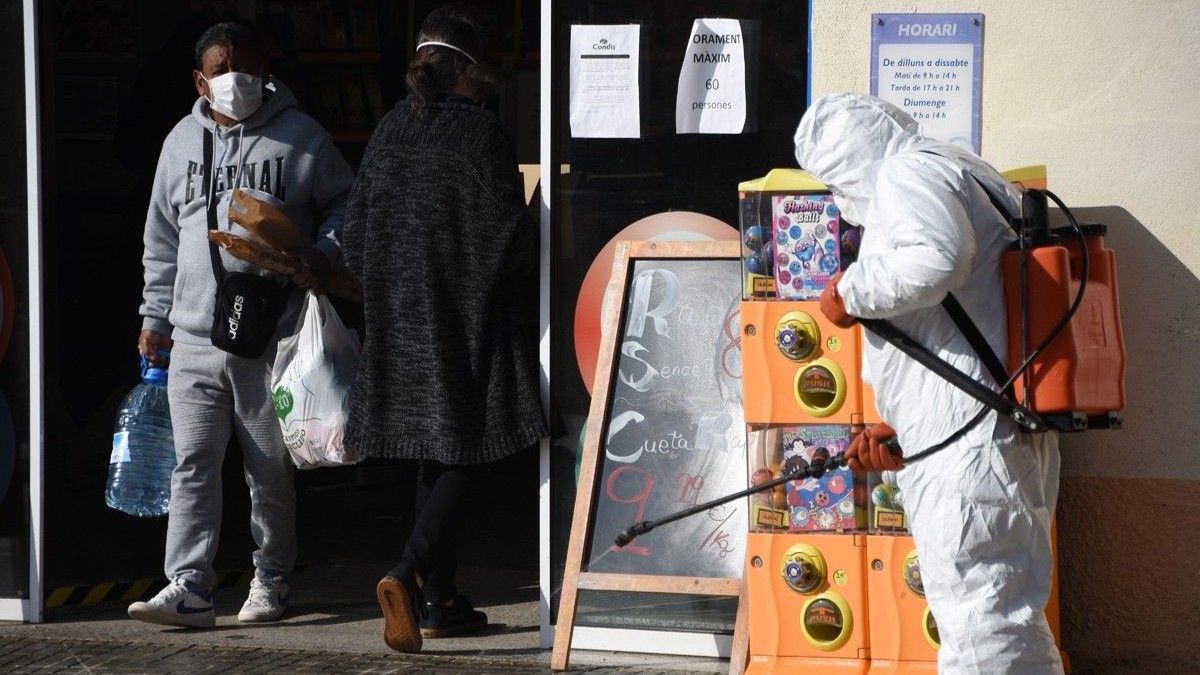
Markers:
<point>184,609</point>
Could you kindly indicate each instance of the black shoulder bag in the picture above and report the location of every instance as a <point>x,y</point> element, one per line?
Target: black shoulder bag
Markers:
<point>248,306</point>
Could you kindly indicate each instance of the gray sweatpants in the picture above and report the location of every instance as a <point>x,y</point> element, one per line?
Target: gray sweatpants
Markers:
<point>214,394</point>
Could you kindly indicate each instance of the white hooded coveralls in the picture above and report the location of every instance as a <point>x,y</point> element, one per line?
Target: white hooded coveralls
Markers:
<point>980,510</point>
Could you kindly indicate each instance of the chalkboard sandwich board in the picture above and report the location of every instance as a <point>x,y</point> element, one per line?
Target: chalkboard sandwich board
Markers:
<point>665,431</point>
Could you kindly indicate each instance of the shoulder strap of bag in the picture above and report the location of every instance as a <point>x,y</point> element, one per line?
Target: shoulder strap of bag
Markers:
<point>211,201</point>
<point>962,320</point>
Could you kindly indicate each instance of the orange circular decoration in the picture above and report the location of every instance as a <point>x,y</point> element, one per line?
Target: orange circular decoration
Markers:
<point>669,226</point>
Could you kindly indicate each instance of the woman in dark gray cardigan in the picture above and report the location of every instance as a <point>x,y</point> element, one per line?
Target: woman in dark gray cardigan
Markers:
<point>437,230</point>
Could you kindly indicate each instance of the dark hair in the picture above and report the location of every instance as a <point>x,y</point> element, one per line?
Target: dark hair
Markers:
<point>230,34</point>
<point>437,70</point>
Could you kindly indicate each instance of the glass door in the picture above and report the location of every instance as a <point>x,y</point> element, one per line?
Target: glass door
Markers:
<point>600,187</point>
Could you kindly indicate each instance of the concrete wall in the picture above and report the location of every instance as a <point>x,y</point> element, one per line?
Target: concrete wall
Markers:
<point>1107,95</point>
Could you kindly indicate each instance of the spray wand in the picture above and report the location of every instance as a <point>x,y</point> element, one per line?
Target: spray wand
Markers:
<point>817,469</point>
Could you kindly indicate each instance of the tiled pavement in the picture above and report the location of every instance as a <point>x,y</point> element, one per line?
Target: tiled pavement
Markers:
<point>333,625</point>
<point>33,655</point>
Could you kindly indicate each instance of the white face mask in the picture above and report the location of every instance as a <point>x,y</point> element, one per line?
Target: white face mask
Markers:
<point>235,95</point>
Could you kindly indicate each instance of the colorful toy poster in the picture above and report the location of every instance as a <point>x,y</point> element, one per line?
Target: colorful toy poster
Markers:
<point>807,246</point>
<point>826,503</point>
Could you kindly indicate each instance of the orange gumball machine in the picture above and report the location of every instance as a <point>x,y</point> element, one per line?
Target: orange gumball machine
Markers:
<point>905,639</point>
<point>806,552</point>
<point>824,595</point>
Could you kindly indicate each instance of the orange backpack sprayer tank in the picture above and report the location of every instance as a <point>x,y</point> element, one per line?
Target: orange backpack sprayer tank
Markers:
<point>1077,381</point>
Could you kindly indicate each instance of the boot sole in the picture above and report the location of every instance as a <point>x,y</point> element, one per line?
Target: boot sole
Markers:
<point>454,631</point>
<point>400,629</point>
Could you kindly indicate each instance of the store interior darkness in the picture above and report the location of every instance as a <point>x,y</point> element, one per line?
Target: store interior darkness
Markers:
<point>117,77</point>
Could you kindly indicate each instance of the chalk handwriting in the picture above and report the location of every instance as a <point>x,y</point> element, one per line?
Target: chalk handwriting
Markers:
<point>620,422</point>
<point>690,486</point>
<point>711,431</point>
<point>610,489</point>
<point>718,538</point>
<point>632,348</point>
<point>639,304</point>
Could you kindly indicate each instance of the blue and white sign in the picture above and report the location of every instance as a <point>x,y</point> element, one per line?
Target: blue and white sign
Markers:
<point>930,65</point>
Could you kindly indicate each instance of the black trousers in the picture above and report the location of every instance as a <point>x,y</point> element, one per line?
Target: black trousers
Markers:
<point>443,492</point>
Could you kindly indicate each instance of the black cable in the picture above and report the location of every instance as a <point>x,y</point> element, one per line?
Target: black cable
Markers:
<point>1022,242</point>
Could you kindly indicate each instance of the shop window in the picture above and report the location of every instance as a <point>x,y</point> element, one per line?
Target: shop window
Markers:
<point>604,185</point>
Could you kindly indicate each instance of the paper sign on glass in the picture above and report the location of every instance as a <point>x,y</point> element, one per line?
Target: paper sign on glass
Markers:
<point>712,81</point>
<point>605,101</point>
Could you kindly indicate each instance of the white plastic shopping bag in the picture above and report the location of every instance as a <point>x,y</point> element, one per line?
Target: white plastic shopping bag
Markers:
<point>310,385</point>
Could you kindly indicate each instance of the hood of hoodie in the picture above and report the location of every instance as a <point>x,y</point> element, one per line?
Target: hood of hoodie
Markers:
<point>276,99</point>
<point>844,138</point>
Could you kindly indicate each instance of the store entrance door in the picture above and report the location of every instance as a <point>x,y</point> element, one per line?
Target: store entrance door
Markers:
<point>118,78</point>
<point>599,187</point>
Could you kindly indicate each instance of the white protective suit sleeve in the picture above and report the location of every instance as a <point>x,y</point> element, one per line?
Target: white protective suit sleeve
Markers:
<point>930,249</point>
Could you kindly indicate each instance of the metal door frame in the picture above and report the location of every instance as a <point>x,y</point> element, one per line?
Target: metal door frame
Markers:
<point>30,607</point>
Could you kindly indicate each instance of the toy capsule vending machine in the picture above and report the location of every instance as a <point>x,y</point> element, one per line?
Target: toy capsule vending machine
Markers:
<point>904,635</point>
<point>806,551</point>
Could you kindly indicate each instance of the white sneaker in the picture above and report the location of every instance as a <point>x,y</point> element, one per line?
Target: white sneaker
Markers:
<point>175,605</point>
<point>267,601</point>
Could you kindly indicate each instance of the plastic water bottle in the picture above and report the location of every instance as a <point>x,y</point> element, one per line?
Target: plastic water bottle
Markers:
<point>143,449</point>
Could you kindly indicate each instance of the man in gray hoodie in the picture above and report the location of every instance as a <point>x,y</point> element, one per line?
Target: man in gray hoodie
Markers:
<point>263,145</point>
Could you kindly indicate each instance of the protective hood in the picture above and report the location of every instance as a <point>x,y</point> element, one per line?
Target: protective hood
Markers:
<point>844,138</point>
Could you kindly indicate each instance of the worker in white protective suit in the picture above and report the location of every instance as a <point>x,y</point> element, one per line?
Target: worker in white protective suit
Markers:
<point>980,510</point>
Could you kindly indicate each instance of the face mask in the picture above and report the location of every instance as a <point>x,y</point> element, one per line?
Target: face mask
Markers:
<point>235,95</point>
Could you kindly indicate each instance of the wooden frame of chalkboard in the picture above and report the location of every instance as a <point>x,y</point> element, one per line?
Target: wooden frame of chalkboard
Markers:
<point>575,576</point>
